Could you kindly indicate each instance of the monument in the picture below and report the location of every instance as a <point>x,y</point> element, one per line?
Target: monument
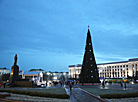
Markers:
<point>14,71</point>
<point>89,72</point>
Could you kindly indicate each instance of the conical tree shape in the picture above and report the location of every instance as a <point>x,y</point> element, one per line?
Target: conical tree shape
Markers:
<point>89,72</point>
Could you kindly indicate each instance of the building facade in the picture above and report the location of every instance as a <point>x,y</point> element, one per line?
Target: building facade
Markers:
<point>57,76</point>
<point>123,69</point>
<point>4,71</point>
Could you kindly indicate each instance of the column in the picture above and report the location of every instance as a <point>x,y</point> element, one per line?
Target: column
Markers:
<point>125,71</point>
<point>134,69</point>
<point>130,69</point>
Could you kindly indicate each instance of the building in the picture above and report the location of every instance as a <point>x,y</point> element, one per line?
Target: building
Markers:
<point>74,71</point>
<point>4,71</point>
<point>62,76</point>
<point>36,77</point>
<point>39,76</point>
<point>123,69</point>
<point>56,76</point>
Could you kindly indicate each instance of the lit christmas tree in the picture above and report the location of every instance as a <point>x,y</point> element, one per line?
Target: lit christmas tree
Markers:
<point>89,72</point>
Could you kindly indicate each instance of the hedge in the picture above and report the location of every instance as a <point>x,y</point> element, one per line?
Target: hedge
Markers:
<point>39,94</point>
<point>119,95</point>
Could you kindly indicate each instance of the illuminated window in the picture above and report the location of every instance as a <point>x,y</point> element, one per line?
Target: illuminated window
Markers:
<point>90,58</point>
<point>91,76</point>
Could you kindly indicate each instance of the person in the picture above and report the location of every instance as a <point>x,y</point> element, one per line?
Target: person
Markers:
<point>103,84</point>
<point>70,85</point>
<point>125,85</point>
<point>121,84</point>
<point>4,84</point>
<point>46,84</point>
<point>61,83</point>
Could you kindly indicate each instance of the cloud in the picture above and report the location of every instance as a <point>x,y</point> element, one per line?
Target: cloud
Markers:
<point>53,30</point>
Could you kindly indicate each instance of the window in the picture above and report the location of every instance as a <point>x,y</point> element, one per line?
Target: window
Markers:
<point>91,71</point>
<point>90,58</point>
<point>126,65</point>
<point>90,50</point>
<point>123,65</point>
<point>112,66</point>
<point>89,43</point>
<point>91,76</point>
<point>91,64</point>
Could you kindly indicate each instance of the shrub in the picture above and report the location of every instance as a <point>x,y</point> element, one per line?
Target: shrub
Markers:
<point>30,93</point>
<point>119,95</point>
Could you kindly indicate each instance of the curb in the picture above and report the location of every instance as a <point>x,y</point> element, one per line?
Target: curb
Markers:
<point>94,95</point>
<point>10,100</point>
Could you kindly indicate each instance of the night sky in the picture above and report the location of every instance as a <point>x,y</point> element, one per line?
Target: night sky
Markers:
<point>51,34</point>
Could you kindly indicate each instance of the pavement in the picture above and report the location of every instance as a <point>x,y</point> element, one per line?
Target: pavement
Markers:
<point>79,95</point>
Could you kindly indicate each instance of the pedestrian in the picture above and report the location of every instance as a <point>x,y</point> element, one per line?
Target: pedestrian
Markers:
<point>46,84</point>
<point>4,84</point>
<point>61,83</point>
<point>103,84</point>
<point>70,85</point>
<point>121,84</point>
<point>125,85</point>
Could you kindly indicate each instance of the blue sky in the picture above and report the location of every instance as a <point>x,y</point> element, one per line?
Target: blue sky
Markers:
<point>51,34</point>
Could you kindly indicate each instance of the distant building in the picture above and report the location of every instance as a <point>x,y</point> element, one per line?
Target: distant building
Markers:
<point>39,76</point>
<point>63,76</point>
<point>3,71</point>
<point>33,75</point>
<point>37,70</point>
<point>74,71</point>
<point>123,69</point>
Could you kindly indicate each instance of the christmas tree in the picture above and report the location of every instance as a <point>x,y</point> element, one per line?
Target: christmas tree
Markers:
<point>89,72</point>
